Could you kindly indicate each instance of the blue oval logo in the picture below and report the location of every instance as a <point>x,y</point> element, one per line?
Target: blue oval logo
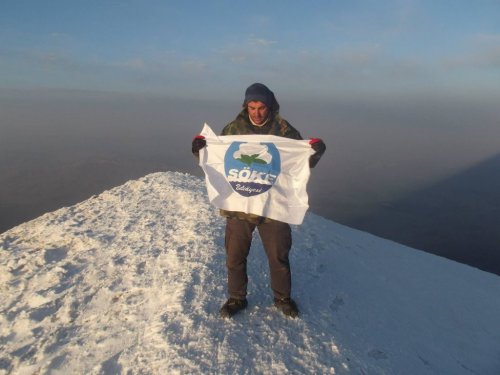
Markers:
<point>252,168</point>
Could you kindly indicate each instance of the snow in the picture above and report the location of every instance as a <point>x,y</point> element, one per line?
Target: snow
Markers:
<point>131,281</point>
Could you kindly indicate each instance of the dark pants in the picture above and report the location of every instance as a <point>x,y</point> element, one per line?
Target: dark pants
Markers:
<point>277,240</point>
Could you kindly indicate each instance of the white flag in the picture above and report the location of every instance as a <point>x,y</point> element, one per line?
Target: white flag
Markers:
<point>265,175</point>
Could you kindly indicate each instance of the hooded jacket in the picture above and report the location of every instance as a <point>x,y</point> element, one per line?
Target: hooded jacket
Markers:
<point>275,125</point>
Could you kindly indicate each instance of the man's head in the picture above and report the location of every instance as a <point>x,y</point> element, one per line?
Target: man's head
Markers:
<point>259,101</point>
<point>258,112</point>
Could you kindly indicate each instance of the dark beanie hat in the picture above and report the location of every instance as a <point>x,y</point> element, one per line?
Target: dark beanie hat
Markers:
<point>259,93</point>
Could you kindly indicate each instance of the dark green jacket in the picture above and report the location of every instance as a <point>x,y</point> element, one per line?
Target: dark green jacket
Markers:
<point>275,125</point>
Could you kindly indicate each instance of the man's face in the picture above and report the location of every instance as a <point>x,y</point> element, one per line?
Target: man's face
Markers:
<point>258,112</point>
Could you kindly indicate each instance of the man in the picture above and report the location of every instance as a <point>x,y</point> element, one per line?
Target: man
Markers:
<point>260,115</point>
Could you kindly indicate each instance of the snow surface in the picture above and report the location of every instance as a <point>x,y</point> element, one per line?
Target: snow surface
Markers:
<point>131,281</point>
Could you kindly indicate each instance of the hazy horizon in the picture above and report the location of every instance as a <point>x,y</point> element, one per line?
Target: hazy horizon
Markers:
<point>61,147</point>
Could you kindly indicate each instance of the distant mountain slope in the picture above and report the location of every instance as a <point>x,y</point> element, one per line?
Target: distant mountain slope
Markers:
<point>131,281</point>
<point>456,218</point>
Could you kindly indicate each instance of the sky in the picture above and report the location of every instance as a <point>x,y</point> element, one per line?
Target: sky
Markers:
<point>404,93</point>
<point>308,50</point>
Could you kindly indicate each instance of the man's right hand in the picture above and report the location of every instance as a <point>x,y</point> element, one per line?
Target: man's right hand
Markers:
<point>198,143</point>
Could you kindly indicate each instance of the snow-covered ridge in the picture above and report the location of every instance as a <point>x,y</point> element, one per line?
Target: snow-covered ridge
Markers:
<point>131,281</point>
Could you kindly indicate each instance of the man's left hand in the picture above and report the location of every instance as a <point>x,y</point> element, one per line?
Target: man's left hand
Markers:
<point>319,146</point>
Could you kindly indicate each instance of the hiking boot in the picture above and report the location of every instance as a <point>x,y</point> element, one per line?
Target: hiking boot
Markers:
<point>287,306</point>
<point>232,306</point>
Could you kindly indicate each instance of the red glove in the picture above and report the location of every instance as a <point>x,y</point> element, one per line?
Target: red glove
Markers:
<point>319,146</point>
<point>314,140</point>
<point>198,143</point>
